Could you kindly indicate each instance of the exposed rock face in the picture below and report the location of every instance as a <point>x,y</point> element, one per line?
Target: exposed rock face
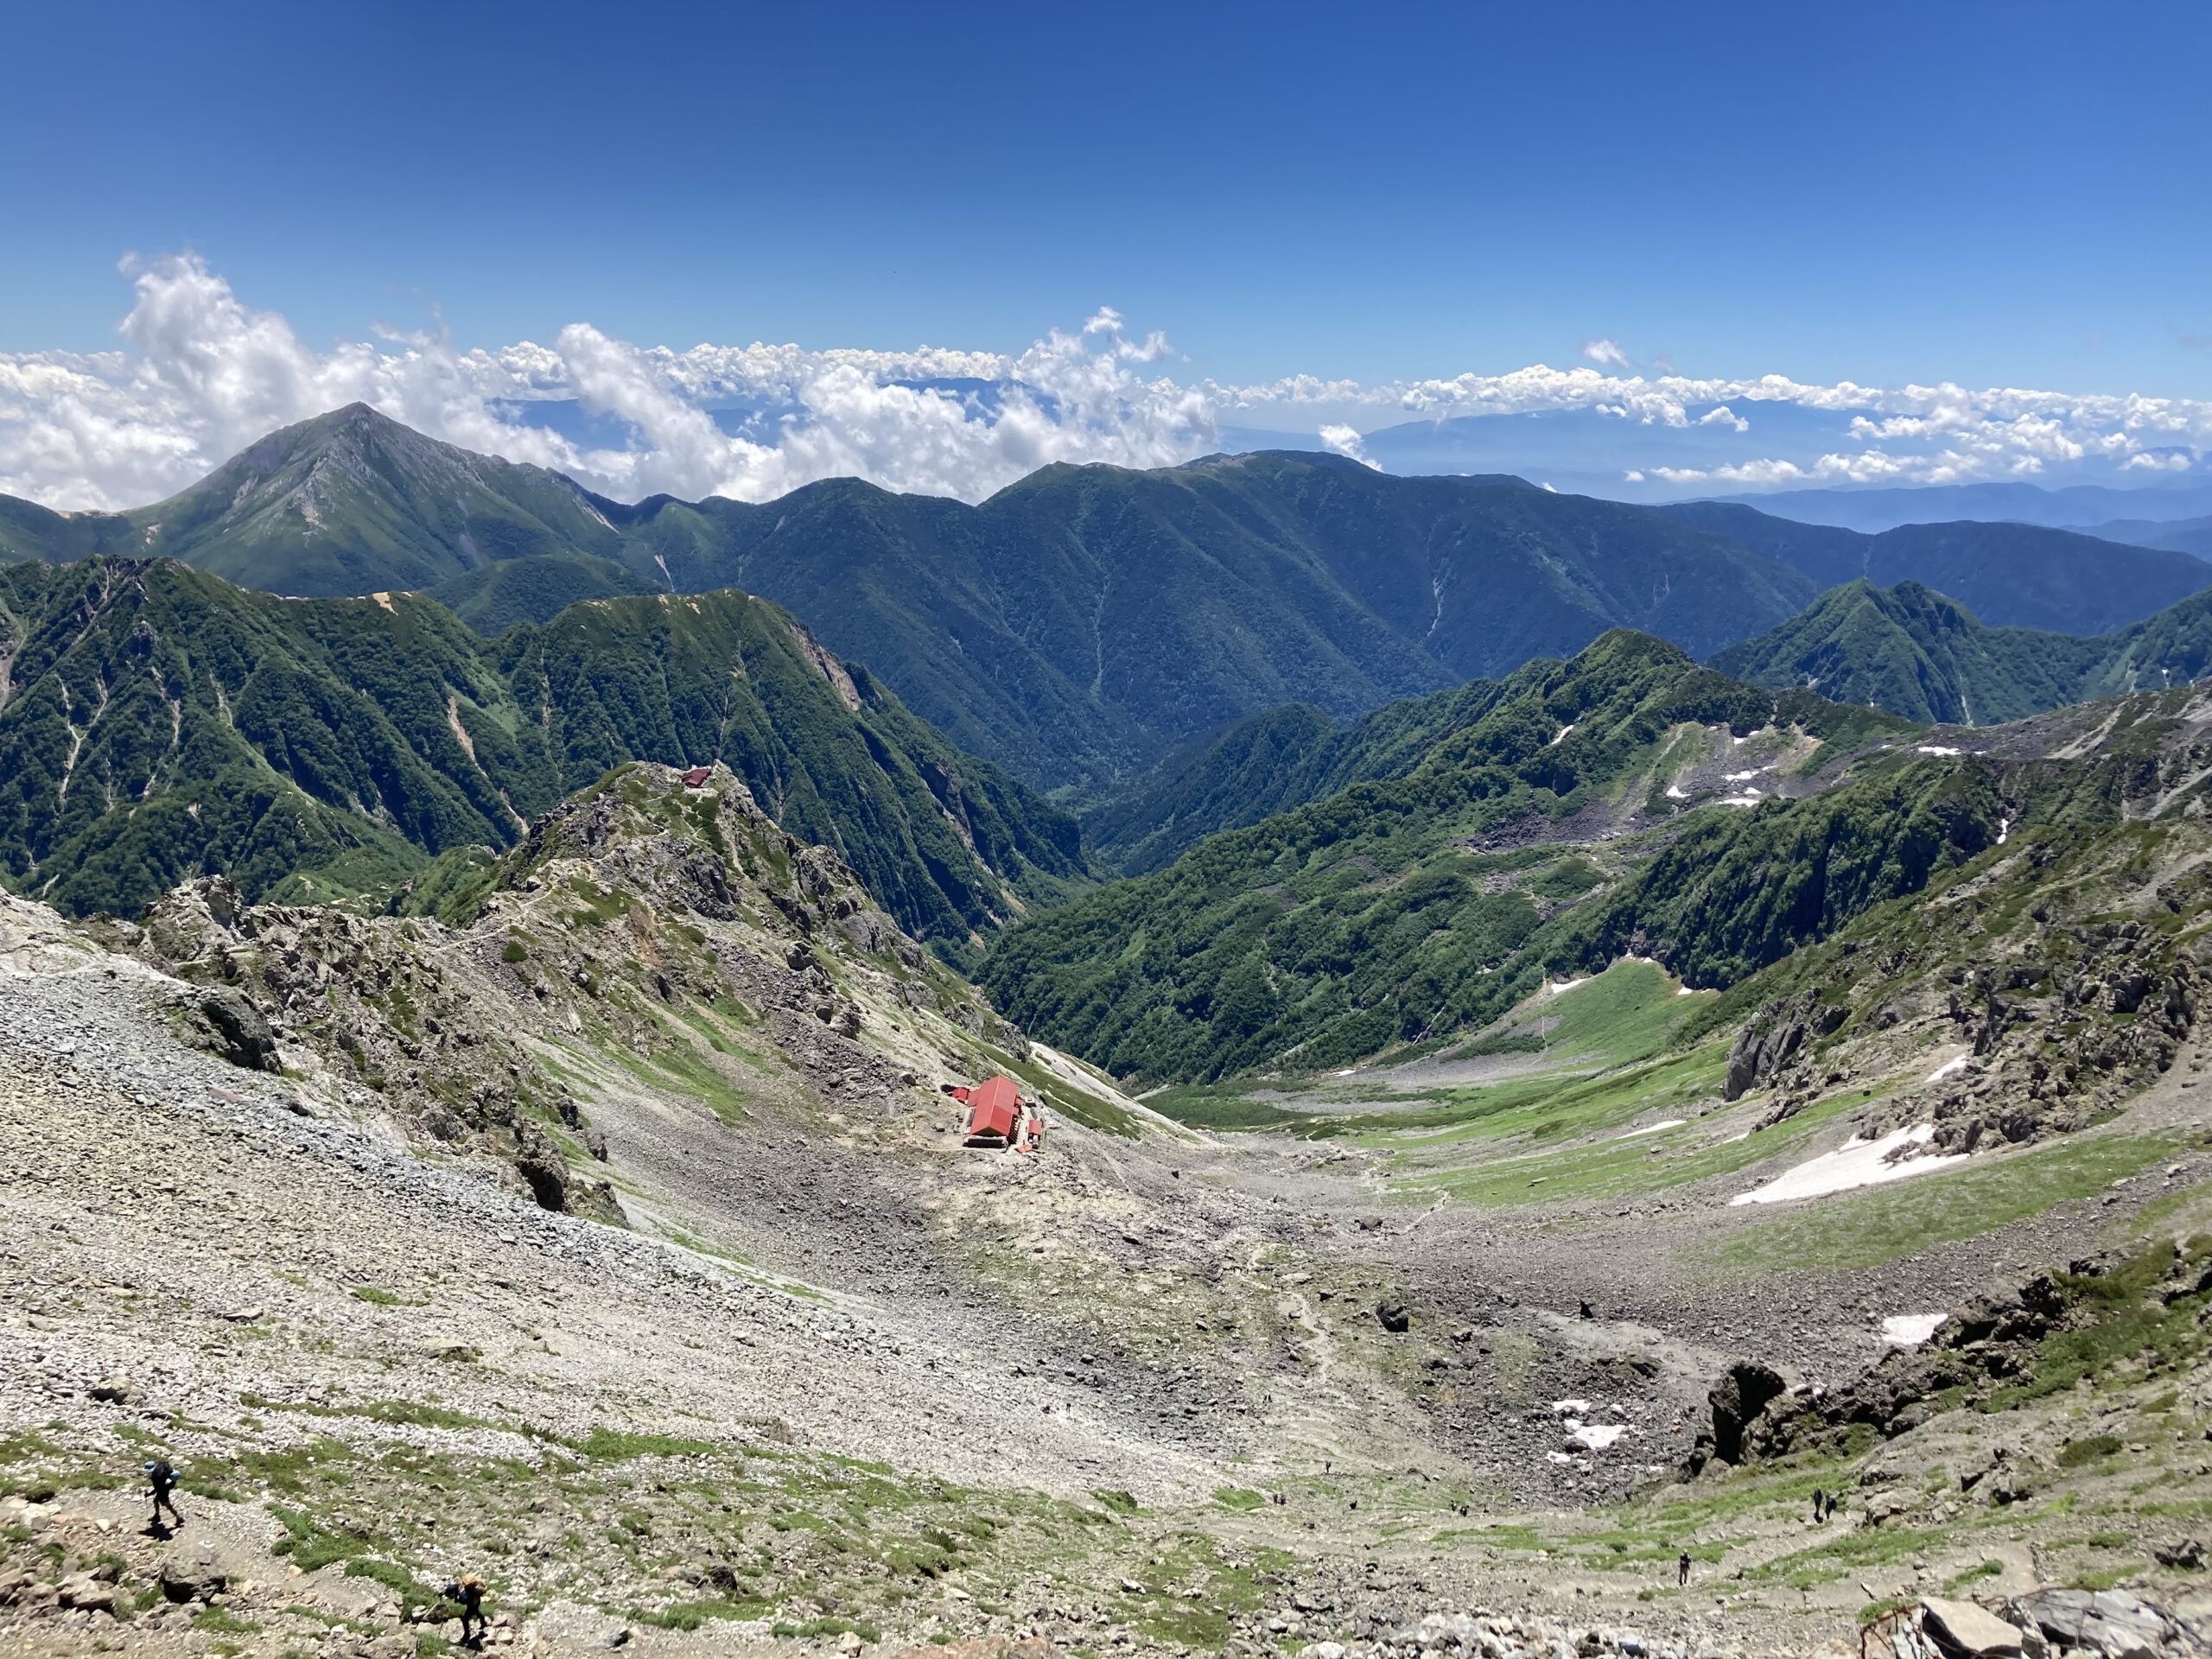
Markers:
<point>1738,1400</point>
<point>2058,1037</point>
<point>1774,1036</point>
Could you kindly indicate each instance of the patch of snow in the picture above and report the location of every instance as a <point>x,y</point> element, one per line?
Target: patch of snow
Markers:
<point>1596,1436</point>
<point>2003,829</point>
<point>1684,991</point>
<point>1910,1330</point>
<point>1346,1072</point>
<point>1652,1128</point>
<point>1935,748</point>
<point>1674,792</point>
<point>1947,1069</point>
<point>1553,988</point>
<point>1855,1163</point>
<point>1749,798</point>
<point>1741,777</point>
<point>1563,731</point>
<point>1570,1407</point>
<point>1561,1457</point>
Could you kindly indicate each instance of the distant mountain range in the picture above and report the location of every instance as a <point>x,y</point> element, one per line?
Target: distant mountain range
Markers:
<point>2096,507</point>
<point>1917,653</point>
<point>2010,575</point>
<point>1076,627</point>
<point>1083,625</point>
<point>1607,449</point>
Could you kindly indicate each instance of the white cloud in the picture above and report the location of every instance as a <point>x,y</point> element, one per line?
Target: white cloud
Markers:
<point>197,374</point>
<point>1346,440</point>
<point>207,375</point>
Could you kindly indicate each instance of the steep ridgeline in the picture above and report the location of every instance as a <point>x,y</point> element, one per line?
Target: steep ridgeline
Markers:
<point>1076,627</point>
<point>1916,653</point>
<point>157,724</point>
<point>1405,908</point>
<point>1627,804</point>
<point>663,940</point>
<point>2009,576</point>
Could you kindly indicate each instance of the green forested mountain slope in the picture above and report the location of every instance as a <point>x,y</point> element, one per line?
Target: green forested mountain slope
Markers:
<point>1916,653</point>
<point>1083,622</point>
<point>493,598</point>
<point>1416,904</point>
<point>1270,764</point>
<point>2009,576</point>
<point>156,722</point>
<point>1086,622</point>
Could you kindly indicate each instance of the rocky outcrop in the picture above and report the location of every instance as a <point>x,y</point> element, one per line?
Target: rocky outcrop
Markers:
<point>1738,1400</point>
<point>639,919</point>
<point>2048,1623</point>
<point>1774,1037</point>
<point>1994,1340</point>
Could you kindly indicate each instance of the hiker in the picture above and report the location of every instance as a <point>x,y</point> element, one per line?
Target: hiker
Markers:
<point>1820,1507</point>
<point>468,1591</point>
<point>160,1477</point>
<point>1682,1569</point>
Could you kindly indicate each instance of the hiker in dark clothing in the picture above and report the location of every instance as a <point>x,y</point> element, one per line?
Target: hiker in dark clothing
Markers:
<point>1682,1569</point>
<point>468,1591</point>
<point>1820,1507</point>
<point>160,1479</point>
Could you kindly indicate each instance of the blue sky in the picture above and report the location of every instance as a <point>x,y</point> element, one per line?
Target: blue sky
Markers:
<point>1994,195</point>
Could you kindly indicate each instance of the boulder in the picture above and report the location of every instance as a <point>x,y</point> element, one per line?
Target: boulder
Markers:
<point>84,1592</point>
<point>2108,1623</point>
<point>1393,1314</point>
<point>239,1032</point>
<point>1961,1630</point>
<point>191,1577</point>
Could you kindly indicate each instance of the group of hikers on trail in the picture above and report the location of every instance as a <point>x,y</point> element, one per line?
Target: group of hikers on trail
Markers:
<point>1824,1505</point>
<point>466,1592</point>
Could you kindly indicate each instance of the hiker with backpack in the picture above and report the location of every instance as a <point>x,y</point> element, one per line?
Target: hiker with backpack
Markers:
<point>162,1479</point>
<point>468,1591</point>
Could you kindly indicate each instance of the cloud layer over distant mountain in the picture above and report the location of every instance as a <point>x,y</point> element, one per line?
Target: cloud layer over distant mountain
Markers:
<point>201,373</point>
